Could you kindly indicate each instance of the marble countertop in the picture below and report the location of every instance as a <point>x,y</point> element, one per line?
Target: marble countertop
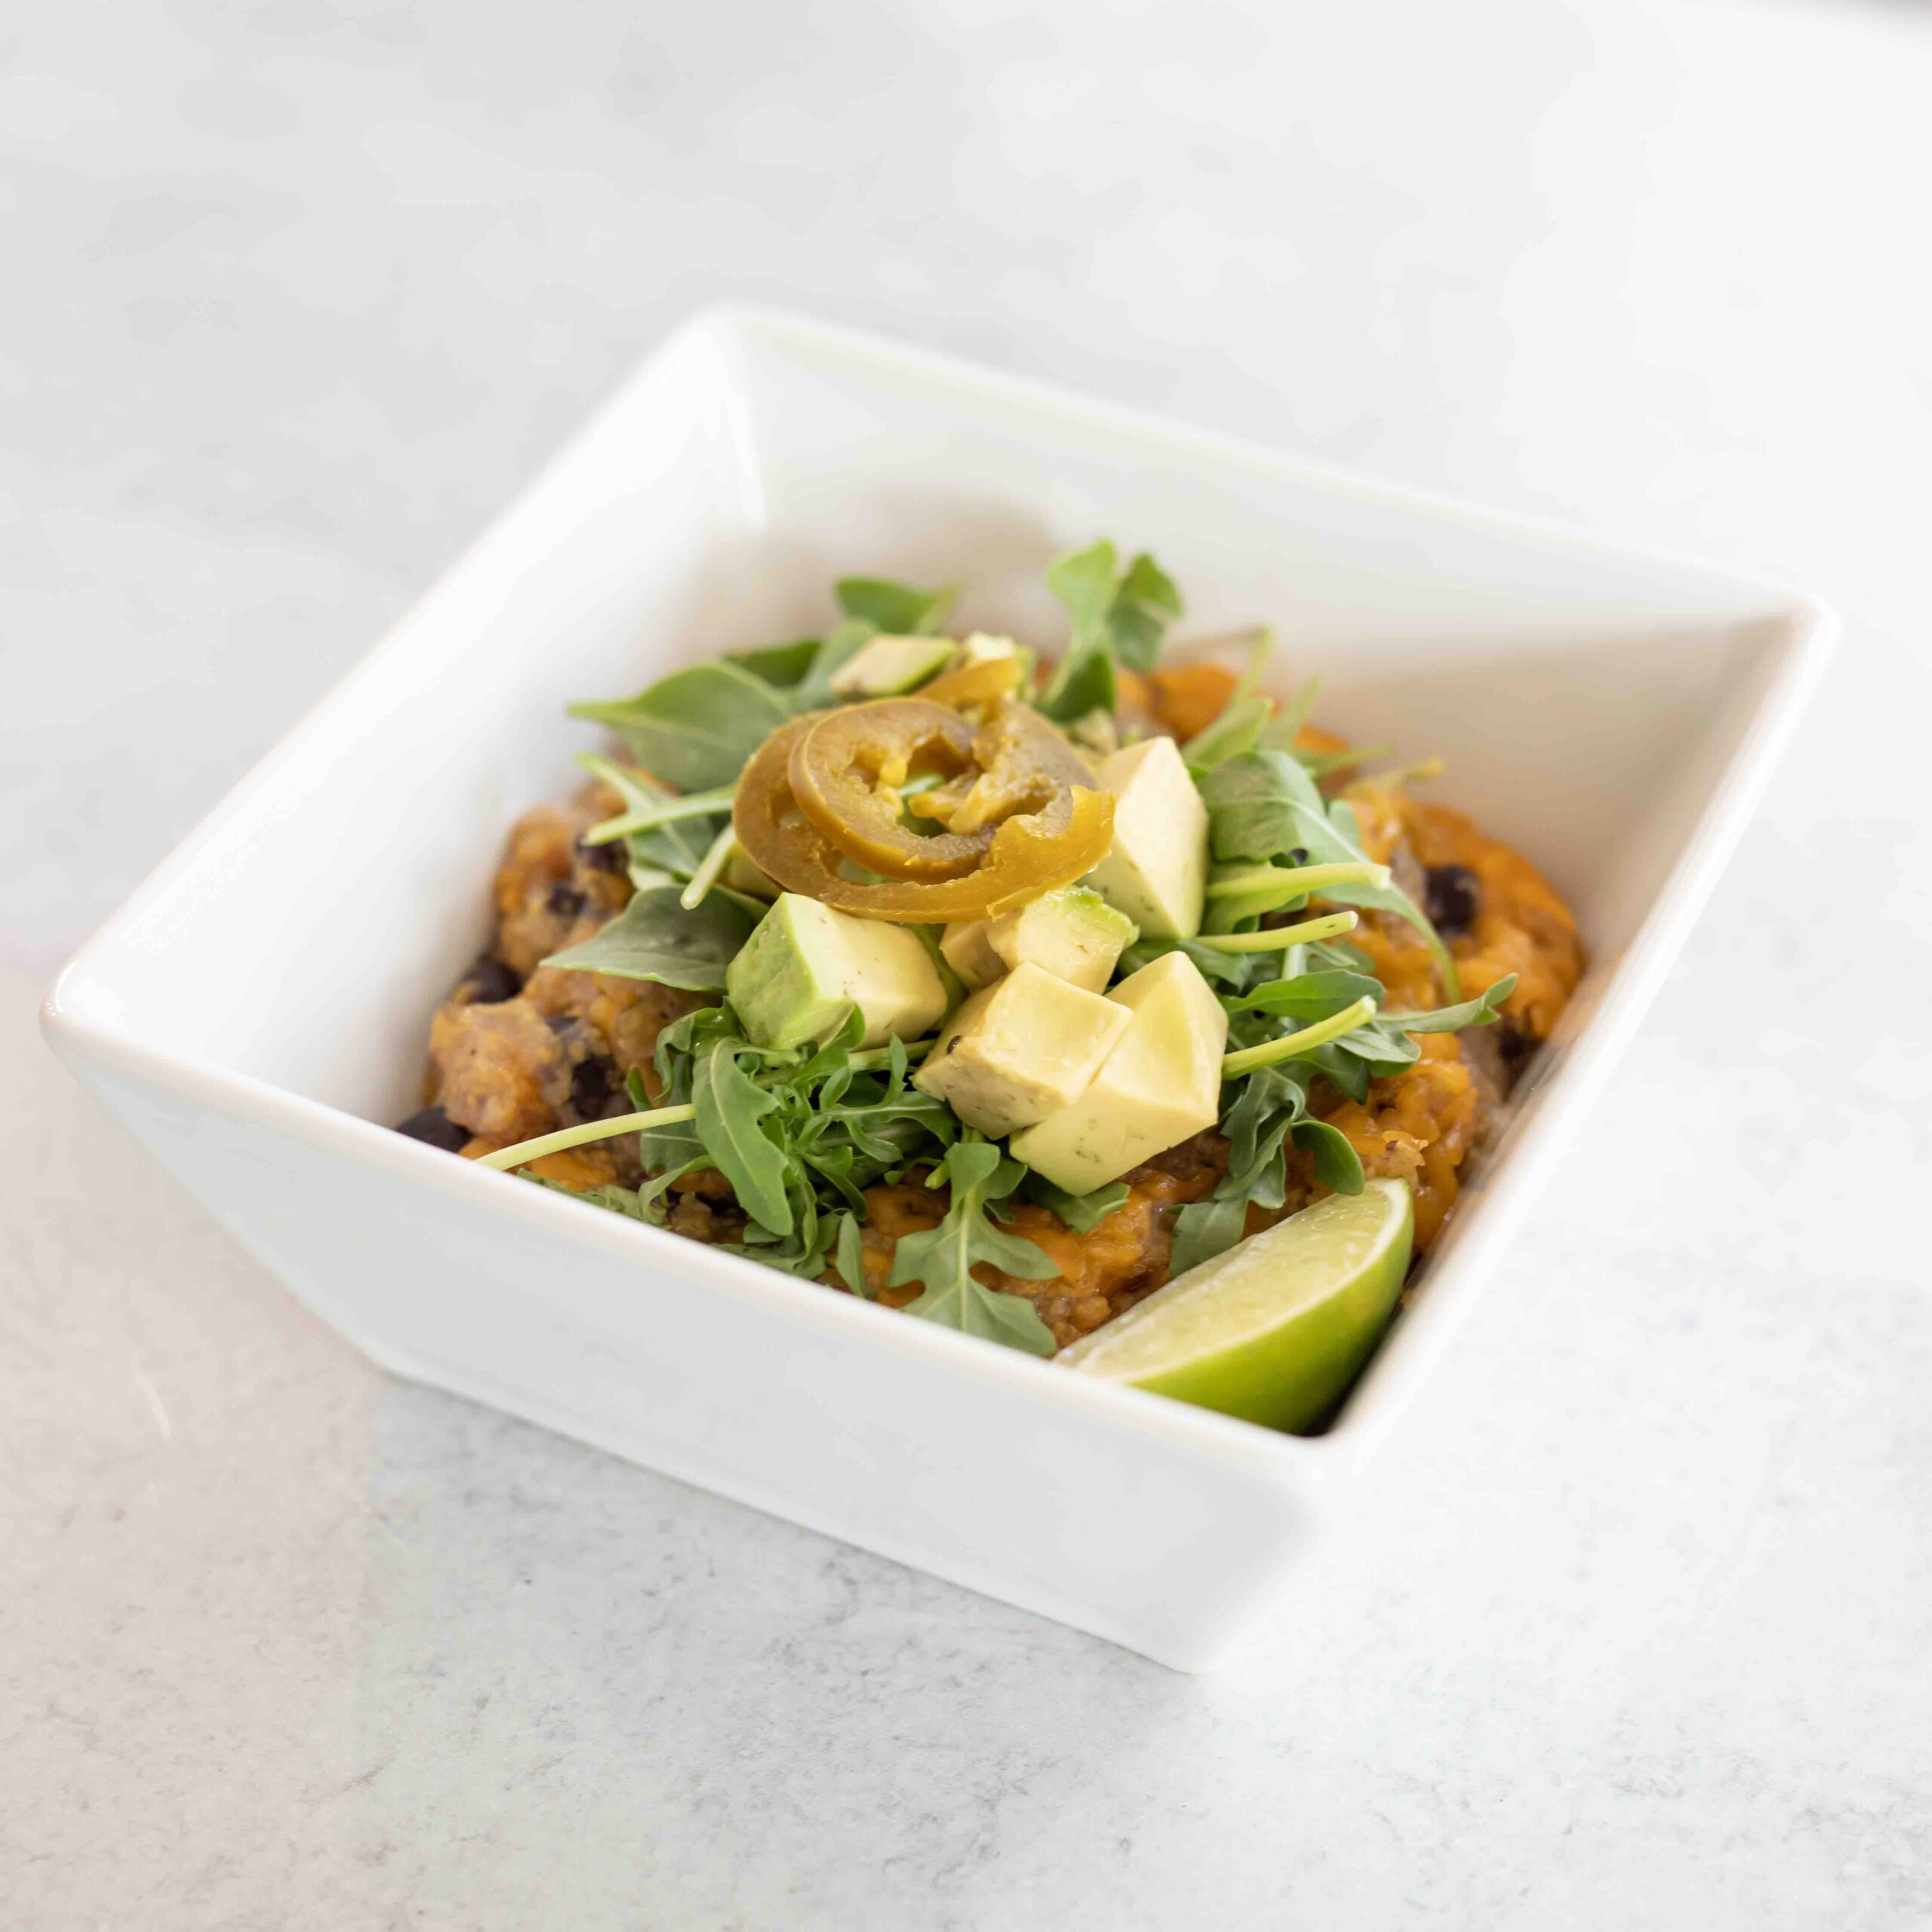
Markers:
<point>1638,1632</point>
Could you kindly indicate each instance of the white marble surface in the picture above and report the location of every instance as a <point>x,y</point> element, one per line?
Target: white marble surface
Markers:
<point>1638,1631</point>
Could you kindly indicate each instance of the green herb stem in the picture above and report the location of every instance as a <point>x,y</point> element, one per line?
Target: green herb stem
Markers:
<point>506,1158</point>
<point>1235,1064</point>
<point>692,804</point>
<point>1258,653</point>
<point>1293,881</point>
<point>1419,773</point>
<point>875,1058</point>
<point>709,867</point>
<point>1331,925</point>
<point>1321,764</point>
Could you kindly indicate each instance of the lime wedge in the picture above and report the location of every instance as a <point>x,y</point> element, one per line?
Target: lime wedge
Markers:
<point>1275,1329</point>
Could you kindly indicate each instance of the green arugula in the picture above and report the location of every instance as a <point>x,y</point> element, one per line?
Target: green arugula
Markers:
<point>944,1257</point>
<point>672,850</point>
<point>780,664</point>
<point>1082,1213</point>
<point>1119,617</point>
<point>732,1109</point>
<point>1386,1043</point>
<point>697,728</point>
<point>1310,996</point>
<point>850,1253</point>
<point>1239,729</point>
<point>1268,1109</point>
<point>1263,805</point>
<point>897,609</point>
<point>655,937</point>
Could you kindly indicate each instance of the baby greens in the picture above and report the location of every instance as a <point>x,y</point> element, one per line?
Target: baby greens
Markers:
<point>663,849</point>
<point>657,937</point>
<point>897,609</point>
<point>1263,805</point>
<point>1119,618</point>
<point>943,1258</point>
<point>696,728</point>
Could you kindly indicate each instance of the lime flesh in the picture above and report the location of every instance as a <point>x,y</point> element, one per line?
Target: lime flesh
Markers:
<point>1274,1330</point>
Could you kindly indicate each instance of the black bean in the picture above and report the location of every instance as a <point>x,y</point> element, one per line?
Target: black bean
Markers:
<point>489,982</point>
<point>1454,894</point>
<point>435,1128</point>
<point>563,901</point>
<point>1515,1045</point>
<point>591,1085</point>
<point>608,857</point>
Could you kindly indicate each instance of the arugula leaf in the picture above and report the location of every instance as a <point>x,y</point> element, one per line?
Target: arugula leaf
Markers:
<point>1144,603</point>
<point>697,728</point>
<point>675,850</point>
<point>618,1200</point>
<point>1205,1228</point>
<point>1083,580</point>
<point>1236,969</point>
<point>1310,996</point>
<point>1337,1165</point>
<point>850,1250</point>
<point>731,1107</point>
<point>813,691</point>
<point>654,937</point>
<point>896,608</point>
<point>1270,1109</point>
<point>1239,729</point>
<point>1082,1213</point>
<point>780,664</point>
<point>1263,805</point>
<point>944,1257</point>
<point>1386,1043</point>
<point>1484,1011</point>
<point>1116,619</point>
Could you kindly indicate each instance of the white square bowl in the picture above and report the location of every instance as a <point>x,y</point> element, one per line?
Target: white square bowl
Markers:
<point>258,1009</point>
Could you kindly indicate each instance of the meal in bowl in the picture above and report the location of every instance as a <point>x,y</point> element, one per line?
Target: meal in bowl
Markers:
<point>1107,1009</point>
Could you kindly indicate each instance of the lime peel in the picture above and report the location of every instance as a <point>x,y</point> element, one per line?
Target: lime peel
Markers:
<point>1275,1329</point>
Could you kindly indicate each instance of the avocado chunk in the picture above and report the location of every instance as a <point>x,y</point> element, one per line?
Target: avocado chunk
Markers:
<point>1075,934</point>
<point>805,966</point>
<point>982,648</point>
<point>743,873</point>
<point>886,667</point>
<point>970,953</point>
<point>1160,1084</point>
<point>1020,1049</point>
<point>1157,871</point>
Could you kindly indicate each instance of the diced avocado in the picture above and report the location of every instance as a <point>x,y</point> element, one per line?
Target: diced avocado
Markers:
<point>744,874</point>
<point>970,953</point>
<point>1020,1049</point>
<point>1075,934</point>
<point>982,648</point>
<point>1157,873</point>
<point>886,667</point>
<point>1161,1083</point>
<point>805,964</point>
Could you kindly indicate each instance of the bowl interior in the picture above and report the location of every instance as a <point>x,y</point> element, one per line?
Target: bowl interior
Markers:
<point>1586,703</point>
